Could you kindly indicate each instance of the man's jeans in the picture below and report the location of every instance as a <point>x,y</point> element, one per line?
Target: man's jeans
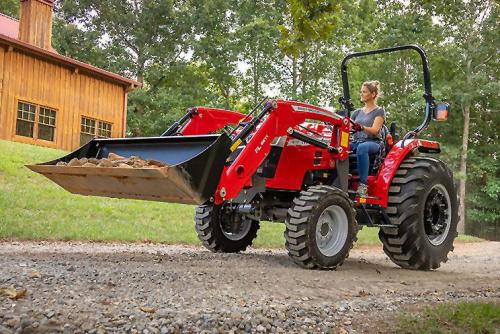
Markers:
<point>362,150</point>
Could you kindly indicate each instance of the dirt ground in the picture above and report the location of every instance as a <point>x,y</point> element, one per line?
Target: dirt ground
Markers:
<point>142,288</point>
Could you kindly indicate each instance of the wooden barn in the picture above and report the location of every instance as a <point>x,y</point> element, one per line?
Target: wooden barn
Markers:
<point>50,100</point>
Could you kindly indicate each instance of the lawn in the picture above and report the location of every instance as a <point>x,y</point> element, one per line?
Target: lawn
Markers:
<point>34,208</point>
<point>464,317</point>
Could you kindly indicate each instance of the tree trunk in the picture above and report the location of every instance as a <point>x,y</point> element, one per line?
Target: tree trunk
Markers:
<point>463,169</point>
<point>294,78</point>
<point>463,160</point>
<point>227,98</point>
<point>256,89</point>
<point>304,76</point>
<point>141,64</point>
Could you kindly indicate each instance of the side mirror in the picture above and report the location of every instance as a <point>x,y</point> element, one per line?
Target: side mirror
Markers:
<point>440,112</point>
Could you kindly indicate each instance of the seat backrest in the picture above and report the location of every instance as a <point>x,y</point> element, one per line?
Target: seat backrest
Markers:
<point>384,131</point>
<point>384,146</point>
<point>393,132</point>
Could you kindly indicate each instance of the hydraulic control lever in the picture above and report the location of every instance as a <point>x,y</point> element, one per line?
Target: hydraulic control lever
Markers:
<point>311,140</point>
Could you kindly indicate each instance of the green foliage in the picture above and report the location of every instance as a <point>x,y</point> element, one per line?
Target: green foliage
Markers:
<point>124,29</point>
<point>307,56</point>
<point>309,22</point>
<point>67,35</point>
<point>10,8</point>
<point>215,46</point>
<point>470,43</point>
<point>257,36</point>
<point>227,53</point>
<point>484,193</point>
<point>165,99</point>
<point>34,208</point>
<point>464,317</point>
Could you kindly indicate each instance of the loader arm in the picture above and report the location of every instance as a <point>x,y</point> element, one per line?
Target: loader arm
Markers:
<point>283,116</point>
<point>209,120</point>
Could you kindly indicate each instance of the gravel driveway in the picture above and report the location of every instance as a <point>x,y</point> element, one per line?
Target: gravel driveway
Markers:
<point>141,288</point>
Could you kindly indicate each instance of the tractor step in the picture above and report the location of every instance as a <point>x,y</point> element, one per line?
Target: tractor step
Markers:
<point>373,215</point>
<point>368,197</point>
<point>383,225</point>
<point>359,199</point>
<point>378,225</point>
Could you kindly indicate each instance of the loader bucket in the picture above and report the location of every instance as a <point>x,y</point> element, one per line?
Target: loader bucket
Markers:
<point>194,165</point>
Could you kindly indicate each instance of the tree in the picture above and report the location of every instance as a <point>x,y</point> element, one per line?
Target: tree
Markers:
<point>309,24</point>
<point>136,39</point>
<point>135,34</point>
<point>164,100</point>
<point>71,41</point>
<point>471,28</point>
<point>10,8</point>
<point>461,39</point>
<point>227,53</point>
<point>257,35</point>
<point>215,45</point>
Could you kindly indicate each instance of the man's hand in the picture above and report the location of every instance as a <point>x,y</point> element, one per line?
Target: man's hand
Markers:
<point>357,127</point>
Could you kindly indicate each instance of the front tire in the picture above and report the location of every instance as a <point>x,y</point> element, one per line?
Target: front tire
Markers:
<point>320,228</point>
<point>221,230</point>
<point>422,204</point>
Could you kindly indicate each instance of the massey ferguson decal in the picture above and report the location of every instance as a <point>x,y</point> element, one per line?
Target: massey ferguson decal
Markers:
<point>315,111</point>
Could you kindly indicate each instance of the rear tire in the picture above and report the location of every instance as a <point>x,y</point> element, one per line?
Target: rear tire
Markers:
<point>215,234</point>
<point>320,228</point>
<point>422,204</point>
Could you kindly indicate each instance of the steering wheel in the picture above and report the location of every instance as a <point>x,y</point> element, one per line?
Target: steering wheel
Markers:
<point>351,130</point>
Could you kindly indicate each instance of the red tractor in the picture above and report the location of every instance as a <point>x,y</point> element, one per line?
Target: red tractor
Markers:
<point>288,162</point>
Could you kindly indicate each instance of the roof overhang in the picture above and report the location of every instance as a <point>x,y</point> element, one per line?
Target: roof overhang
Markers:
<point>9,26</point>
<point>47,2</point>
<point>75,65</point>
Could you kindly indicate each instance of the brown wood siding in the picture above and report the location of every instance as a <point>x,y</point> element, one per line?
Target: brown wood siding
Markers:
<point>71,94</point>
<point>35,24</point>
<point>2,56</point>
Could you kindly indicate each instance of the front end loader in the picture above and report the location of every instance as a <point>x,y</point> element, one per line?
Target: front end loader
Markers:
<point>285,162</point>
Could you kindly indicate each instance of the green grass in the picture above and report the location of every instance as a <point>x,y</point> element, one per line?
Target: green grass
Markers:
<point>464,317</point>
<point>34,208</point>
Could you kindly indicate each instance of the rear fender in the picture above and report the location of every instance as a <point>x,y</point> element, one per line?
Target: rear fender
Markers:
<point>392,162</point>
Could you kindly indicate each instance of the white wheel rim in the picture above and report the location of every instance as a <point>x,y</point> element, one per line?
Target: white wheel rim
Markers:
<point>331,230</point>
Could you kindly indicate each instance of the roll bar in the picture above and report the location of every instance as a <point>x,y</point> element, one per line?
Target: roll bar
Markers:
<point>345,100</point>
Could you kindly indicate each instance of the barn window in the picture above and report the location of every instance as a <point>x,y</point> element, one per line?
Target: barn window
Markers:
<point>25,119</point>
<point>104,130</point>
<point>35,121</point>
<point>91,128</point>
<point>46,123</point>
<point>87,130</point>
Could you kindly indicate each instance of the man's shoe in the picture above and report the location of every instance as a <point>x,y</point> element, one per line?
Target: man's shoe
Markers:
<point>362,190</point>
